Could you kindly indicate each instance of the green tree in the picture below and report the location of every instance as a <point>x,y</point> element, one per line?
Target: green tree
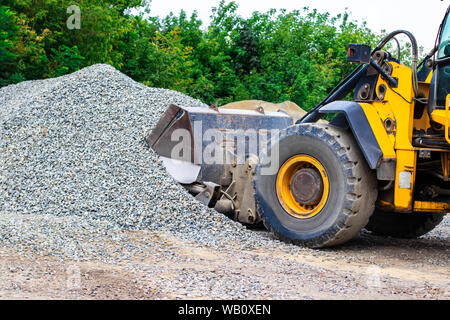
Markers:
<point>273,56</point>
<point>8,37</point>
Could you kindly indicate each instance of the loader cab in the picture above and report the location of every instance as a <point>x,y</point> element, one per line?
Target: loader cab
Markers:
<point>440,84</point>
<point>443,64</point>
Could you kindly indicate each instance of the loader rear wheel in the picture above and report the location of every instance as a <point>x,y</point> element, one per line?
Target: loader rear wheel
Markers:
<point>403,225</point>
<point>321,192</point>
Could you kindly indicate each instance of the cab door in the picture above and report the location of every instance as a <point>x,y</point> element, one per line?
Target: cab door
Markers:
<point>443,64</point>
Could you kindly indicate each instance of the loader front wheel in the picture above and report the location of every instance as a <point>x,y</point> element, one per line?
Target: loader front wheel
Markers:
<point>403,225</point>
<point>314,187</point>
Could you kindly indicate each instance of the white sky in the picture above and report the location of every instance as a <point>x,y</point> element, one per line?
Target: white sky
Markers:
<point>421,17</point>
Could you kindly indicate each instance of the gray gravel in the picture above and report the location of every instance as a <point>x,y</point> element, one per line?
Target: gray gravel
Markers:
<point>74,147</point>
<point>78,182</point>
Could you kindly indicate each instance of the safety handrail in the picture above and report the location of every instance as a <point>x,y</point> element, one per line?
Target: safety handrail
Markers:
<point>447,107</point>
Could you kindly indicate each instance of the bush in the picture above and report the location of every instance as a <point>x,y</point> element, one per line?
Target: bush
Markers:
<point>272,56</point>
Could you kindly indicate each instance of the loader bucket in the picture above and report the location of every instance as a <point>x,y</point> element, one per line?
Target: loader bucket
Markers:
<point>199,144</point>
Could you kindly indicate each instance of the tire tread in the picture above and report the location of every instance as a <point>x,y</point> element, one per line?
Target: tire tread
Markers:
<point>361,193</point>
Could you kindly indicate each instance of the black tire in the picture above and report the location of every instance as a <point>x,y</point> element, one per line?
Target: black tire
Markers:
<point>403,225</point>
<point>352,195</point>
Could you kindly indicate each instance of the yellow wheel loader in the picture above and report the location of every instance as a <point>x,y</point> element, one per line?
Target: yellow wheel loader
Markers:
<point>382,162</point>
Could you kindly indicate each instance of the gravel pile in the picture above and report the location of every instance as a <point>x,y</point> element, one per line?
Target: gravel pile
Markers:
<point>78,182</point>
<point>73,148</point>
<point>76,177</point>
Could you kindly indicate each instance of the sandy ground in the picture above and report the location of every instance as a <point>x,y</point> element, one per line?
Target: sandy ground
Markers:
<point>368,267</point>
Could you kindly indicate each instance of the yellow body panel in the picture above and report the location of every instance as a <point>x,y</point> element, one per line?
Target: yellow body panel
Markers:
<point>447,108</point>
<point>425,206</point>
<point>439,116</point>
<point>423,123</point>
<point>405,178</point>
<point>443,117</point>
<point>385,141</point>
<point>396,142</point>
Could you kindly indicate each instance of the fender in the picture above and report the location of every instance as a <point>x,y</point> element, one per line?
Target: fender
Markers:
<point>362,131</point>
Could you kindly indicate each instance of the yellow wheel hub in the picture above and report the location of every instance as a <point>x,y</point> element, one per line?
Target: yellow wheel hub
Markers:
<point>302,186</point>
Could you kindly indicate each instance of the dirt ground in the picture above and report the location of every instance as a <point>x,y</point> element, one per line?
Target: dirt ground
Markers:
<point>368,267</point>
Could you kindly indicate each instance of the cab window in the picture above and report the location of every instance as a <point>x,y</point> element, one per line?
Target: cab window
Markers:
<point>444,46</point>
<point>443,67</point>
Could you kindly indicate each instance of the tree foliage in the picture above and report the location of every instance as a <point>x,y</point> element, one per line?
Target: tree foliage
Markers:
<point>272,56</point>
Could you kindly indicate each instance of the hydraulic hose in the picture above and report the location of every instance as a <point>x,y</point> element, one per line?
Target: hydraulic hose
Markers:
<point>414,56</point>
<point>399,49</point>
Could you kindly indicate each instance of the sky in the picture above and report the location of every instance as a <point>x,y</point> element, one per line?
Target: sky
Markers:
<point>420,17</point>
